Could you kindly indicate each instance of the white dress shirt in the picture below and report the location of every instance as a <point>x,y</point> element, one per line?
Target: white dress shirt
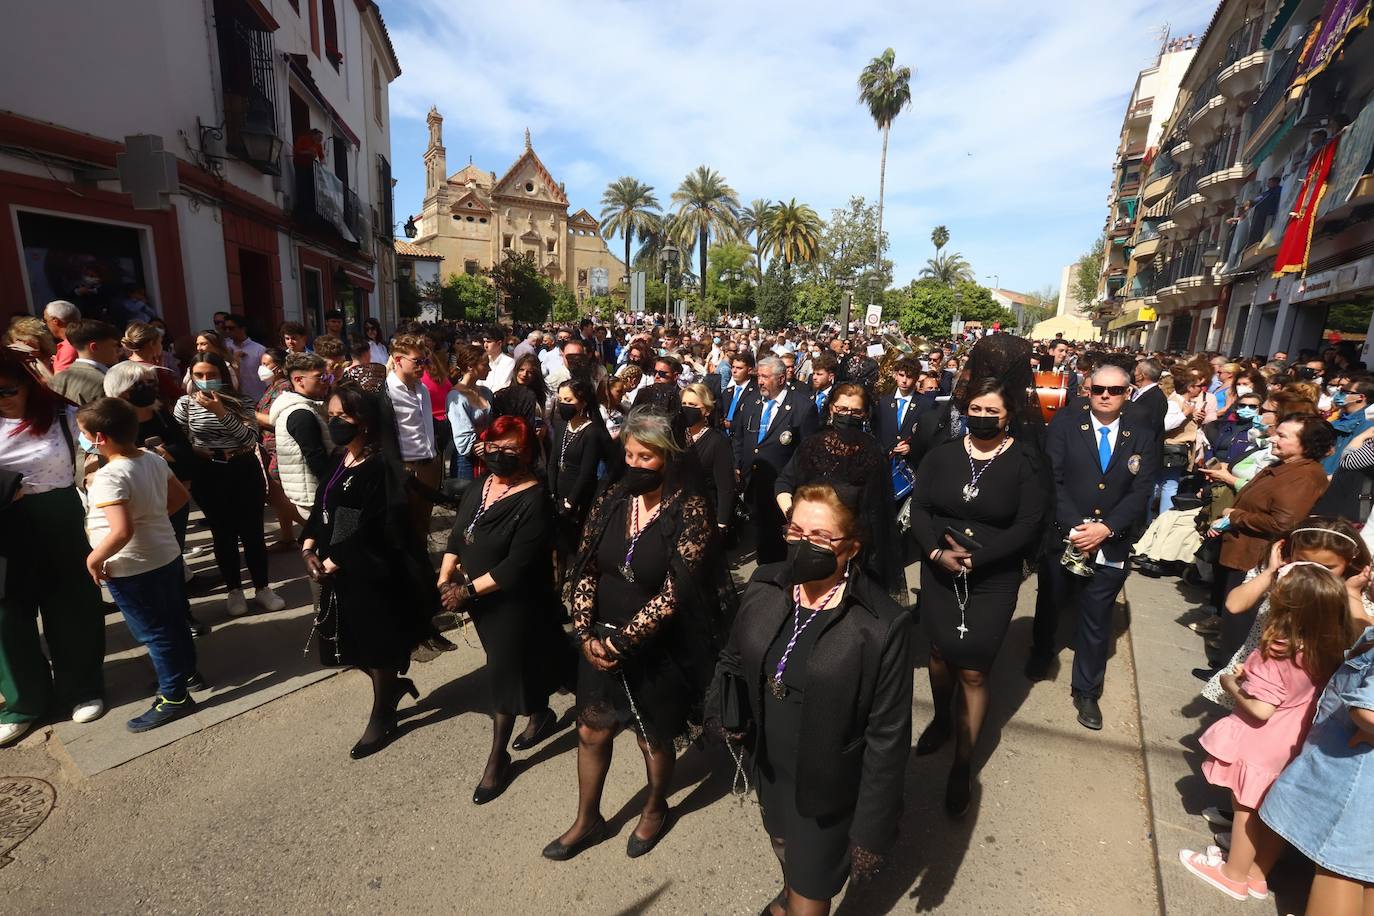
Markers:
<point>1112,429</point>
<point>249,354</point>
<point>777,409</point>
<point>501,369</point>
<point>414,419</point>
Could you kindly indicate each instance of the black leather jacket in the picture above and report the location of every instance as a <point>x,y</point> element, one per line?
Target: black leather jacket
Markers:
<point>856,716</point>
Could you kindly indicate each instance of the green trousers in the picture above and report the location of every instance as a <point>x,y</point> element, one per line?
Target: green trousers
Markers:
<point>46,574</point>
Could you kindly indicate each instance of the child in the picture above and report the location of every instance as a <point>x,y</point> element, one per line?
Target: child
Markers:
<point>1275,691</point>
<point>1324,802</point>
<point>1331,542</point>
<point>135,551</point>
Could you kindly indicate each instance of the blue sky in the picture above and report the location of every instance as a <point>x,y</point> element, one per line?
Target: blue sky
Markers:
<point>1015,117</point>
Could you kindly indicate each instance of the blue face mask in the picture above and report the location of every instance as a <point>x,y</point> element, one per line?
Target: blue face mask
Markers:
<point>1259,426</point>
<point>1248,413</point>
<point>210,384</point>
<point>86,445</point>
<point>1338,398</point>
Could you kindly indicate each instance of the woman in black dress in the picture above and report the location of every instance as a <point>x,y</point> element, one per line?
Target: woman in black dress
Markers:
<point>713,452</point>
<point>987,487</point>
<point>644,610</point>
<point>376,585</point>
<point>497,568</point>
<point>820,657</point>
<point>579,445</point>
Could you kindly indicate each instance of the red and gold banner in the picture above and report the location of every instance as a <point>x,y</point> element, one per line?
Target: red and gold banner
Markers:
<point>1297,236</point>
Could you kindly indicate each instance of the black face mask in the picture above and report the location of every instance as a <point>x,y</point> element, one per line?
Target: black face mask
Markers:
<point>983,427</point>
<point>846,421</point>
<point>690,415</point>
<point>567,411</point>
<point>142,395</point>
<point>643,480</point>
<point>341,431</point>
<point>806,562</point>
<point>502,464</point>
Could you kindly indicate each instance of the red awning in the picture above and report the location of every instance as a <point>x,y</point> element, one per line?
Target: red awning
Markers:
<point>359,279</point>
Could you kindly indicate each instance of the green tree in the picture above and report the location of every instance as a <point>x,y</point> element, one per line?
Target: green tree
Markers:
<point>705,205</point>
<point>525,296</point>
<point>1088,272</point>
<point>728,295</point>
<point>793,233</point>
<point>948,269</point>
<point>1040,306</point>
<point>849,246</point>
<point>462,297</point>
<point>775,297</point>
<point>939,237</point>
<point>629,208</point>
<point>1349,317</point>
<point>927,307</point>
<point>752,220</point>
<point>603,307</point>
<point>886,89</point>
<point>565,308</point>
<point>815,303</point>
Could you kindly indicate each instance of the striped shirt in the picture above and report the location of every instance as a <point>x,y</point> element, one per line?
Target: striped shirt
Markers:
<point>237,429</point>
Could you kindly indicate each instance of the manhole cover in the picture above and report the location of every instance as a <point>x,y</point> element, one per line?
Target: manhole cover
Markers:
<point>24,805</point>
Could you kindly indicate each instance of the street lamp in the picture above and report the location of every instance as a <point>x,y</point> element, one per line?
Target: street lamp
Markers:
<point>847,282</point>
<point>411,230</point>
<point>668,255</point>
<point>732,275</point>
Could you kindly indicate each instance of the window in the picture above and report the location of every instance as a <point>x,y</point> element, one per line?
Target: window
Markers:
<point>529,187</point>
<point>386,197</point>
<point>377,92</point>
<point>550,246</point>
<point>505,241</point>
<point>482,220</point>
<point>248,77</point>
<point>470,268</point>
<point>470,219</point>
<point>331,33</point>
<point>91,264</point>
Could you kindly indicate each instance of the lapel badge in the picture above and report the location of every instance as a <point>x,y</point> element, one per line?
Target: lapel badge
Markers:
<point>1126,433</point>
<point>1084,427</point>
<point>785,437</point>
<point>1133,464</point>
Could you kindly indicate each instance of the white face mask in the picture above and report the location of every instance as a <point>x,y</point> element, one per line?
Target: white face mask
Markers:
<point>265,374</point>
<point>1243,390</point>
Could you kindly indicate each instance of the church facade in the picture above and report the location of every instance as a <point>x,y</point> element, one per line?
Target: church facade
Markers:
<point>472,217</point>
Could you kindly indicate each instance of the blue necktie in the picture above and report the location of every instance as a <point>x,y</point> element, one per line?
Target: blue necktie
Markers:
<point>901,412</point>
<point>734,402</point>
<point>1104,449</point>
<point>820,401</point>
<point>767,416</point>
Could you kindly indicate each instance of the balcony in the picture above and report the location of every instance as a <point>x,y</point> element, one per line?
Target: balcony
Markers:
<point>1171,231</point>
<point>1185,153</point>
<point>1146,249</point>
<point>1221,176</point>
<point>1189,204</point>
<point>248,80</point>
<point>1121,229</point>
<point>1140,111</point>
<point>323,202</point>
<point>1241,81</point>
<point>1274,92</point>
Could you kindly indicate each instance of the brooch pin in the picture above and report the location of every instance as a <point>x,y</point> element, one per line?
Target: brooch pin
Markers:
<point>786,437</point>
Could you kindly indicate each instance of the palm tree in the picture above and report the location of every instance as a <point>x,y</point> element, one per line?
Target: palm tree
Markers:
<point>705,204</point>
<point>939,237</point>
<point>629,208</point>
<point>752,220</point>
<point>793,233</point>
<point>886,89</point>
<point>948,269</point>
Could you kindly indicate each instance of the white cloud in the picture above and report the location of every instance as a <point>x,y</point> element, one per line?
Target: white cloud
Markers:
<point>1009,141</point>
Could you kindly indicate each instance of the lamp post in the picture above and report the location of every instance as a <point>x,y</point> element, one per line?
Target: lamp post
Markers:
<point>732,275</point>
<point>847,283</point>
<point>668,255</point>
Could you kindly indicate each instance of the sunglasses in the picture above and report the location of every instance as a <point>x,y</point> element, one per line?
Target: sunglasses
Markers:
<point>1115,391</point>
<point>9,391</point>
<point>662,373</point>
<point>420,361</point>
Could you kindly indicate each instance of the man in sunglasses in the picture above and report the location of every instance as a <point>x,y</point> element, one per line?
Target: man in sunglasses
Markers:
<point>1104,461</point>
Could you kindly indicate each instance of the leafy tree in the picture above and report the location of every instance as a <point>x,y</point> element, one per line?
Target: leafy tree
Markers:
<point>948,269</point>
<point>849,246</point>
<point>775,297</point>
<point>793,233</point>
<point>462,297</point>
<point>1348,317</point>
<point>939,237</point>
<point>526,297</point>
<point>629,208</point>
<point>705,311</point>
<point>728,295</point>
<point>1088,272</point>
<point>565,308</point>
<point>927,307</point>
<point>815,303</point>
<point>752,220</point>
<point>1040,306</point>
<point>705,205</point>
<point>603,307</point>
<point>886,89</point>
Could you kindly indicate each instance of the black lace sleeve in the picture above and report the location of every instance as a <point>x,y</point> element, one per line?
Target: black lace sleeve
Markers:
<point>693,534</point>
<point>584,589</point>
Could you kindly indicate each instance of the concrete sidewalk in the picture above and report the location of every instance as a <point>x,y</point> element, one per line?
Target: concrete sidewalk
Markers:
<point>1173,714</point>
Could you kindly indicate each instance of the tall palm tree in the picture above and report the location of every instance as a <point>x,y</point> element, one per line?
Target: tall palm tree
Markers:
<point>629,208</point>
<point>705,204</point>
<point>793,233</point>
<point>939,237</point>
<point>886,89</point>
<point>948,269</point>
<point>752,220</point>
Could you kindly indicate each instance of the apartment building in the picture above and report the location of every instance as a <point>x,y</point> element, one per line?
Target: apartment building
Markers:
<point>216,154</point>
<point>1257,214</point>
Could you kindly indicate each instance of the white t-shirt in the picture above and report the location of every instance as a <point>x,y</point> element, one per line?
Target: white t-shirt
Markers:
<point>45,461</point>
<point>140,483</point>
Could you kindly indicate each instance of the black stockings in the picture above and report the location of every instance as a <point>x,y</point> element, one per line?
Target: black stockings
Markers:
<point>594,761</point>
<point>502,725</point>
<point>972,711</point>
<point>658,768</point>
<point>386,693</point>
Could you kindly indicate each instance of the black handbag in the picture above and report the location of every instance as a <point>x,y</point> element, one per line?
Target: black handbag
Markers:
<point>733,702</point>
<point>1175,455</point>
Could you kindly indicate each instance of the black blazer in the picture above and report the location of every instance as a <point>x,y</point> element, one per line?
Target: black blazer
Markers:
<point>885,428</point>
<point>793,420</point>
<point>575,483</point>
<point>1153,406</point>
<point>718,462</point>
<point>932,429</point>
<point>856,717</point>
<point>1117,496</point>
<point>751,388</point>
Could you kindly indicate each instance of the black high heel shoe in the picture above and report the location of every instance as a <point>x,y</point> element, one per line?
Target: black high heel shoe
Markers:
<point>368,748</point>
<point>547,725</point>
<point>959,790</point>
<point>483,794</point>
<point>635,847</point>
<point>561,852</point>
<point>933,738</point>
<point>407,687</point>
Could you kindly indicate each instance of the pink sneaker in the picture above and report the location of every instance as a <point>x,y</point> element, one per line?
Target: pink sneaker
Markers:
<point>1259,889</point>
<point>1207,866</point>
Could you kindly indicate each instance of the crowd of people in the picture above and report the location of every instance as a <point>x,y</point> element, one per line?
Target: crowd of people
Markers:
<point>605,479</point>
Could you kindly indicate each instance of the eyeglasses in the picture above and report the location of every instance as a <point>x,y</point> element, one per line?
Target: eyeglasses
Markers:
<point>1115,391</point>
<point>848,411</point>
<point>419,361</point>
<point>793,533</point>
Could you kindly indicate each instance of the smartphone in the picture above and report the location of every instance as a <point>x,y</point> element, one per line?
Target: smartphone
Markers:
<point>152,442</point>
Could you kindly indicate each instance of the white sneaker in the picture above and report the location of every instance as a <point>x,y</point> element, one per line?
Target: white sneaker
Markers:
<point>236,604</point>
<point>269,600</point>
<point>88,711</point>
<point>13,731</point>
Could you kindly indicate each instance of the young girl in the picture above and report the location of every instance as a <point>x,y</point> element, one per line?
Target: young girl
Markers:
<point>1324,802</point>
<point>1275,691</point>
<point>1330,542</point>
